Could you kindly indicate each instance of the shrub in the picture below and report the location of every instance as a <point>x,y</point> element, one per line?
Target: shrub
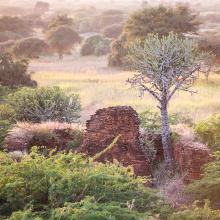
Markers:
<point>151,120</point>
<point>30,48</point>
<point>13,73</point>
<point>119,51</point>
<point>209,186</point>
<point>113,31</point>
<point>197,213</point>
<point>58,187</point>
<point>45,104</point>
<point>208,131</point>
<point>14,24</point>
<point>95,45</point>
<point>8,35</point>
<point>46,136</point>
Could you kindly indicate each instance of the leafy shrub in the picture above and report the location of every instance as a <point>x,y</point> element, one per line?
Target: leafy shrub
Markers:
<point>13,73</point>
<point>45,104</point>
<point>46,136</point>
<point>30,48</point>
<point>57,187</point>
<point>209,131</point>
<point>113,31</point>
<point>95,45</point>
<point>197,213</point>
<point>151,120</point>
<point>8,35</point>
<point>209,186</point>
<point>119,51</point>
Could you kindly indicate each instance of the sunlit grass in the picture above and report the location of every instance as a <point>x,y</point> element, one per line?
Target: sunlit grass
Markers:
<point>112,89</point>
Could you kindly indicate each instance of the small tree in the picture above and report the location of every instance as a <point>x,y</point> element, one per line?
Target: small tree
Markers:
<point>62,39</point>
<point>13,73</point>
<point>165,65</point>
<point>61,20</point>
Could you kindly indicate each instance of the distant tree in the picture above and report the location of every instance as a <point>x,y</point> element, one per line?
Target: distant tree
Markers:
<point>8,35</point>
<point>156,20</point>
<point>45,104</point>
<point>117,58</point>
<point>14,24</point>
<point>30,48</point>
<point>95,45</point>
<point>61,20</point>
<point>164,66</point>
<point>13,73</point>
<point>113,31</point>
<point>62,39</point>
<point>161,20</point>
<point>42,7</point>
<point>106,20</point>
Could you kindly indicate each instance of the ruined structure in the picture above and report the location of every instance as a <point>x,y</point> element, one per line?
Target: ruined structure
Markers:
<point>107,124</point>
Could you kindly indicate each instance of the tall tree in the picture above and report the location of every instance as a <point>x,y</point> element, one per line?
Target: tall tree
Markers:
<point>165,65</point>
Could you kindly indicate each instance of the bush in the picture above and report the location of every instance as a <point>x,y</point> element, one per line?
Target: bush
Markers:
<point>197,213</point>
<point>13,73</point>
<point>113,31</point>
<point>95,45</point>
<point>209,186</point>
<point>30,48</point>
<point>46,136</point>
<point>8,35</point>
<point>151,120</point>
<point>208,131</point>
<point>58,187</point>
<point>45,104</point>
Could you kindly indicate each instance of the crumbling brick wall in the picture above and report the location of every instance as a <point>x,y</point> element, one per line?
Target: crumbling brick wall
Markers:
<point>107,124</point>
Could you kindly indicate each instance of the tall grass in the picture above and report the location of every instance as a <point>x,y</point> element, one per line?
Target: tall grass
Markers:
<point>111,89</point>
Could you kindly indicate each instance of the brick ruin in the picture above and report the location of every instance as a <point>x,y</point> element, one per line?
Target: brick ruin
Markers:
<point>108,123</point>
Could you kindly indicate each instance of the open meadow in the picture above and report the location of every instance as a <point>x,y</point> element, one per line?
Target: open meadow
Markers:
<point>100,86</point>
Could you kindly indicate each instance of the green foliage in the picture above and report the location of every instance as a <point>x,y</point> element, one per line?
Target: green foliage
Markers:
<point>14,24</point>
<point>45,104</point>
<point>161,20</point>
<point>197,213</point>
<point>209,186</point>
<point>57,187</point>
<point>30,48</point>
<point>13,73</point>
<point>151,120</point>
<point>113,31</point>
<point>62,39</point>
<point>119,52</point>
<point>95,45</point>
<point>61,20</point>
<point>209,131</point>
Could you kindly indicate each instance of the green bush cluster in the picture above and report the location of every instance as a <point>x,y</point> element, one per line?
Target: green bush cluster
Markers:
<point>197,213</point>
<point>67,186</point>
<point>95,45</point>
<point>45,104</point>
<point>208,131</point>
<point>151,120</point>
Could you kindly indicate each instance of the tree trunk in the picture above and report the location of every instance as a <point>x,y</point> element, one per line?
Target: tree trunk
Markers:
<point>167,148</point>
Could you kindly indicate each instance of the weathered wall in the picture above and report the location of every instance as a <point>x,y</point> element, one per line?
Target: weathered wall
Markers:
<point>104,126</point>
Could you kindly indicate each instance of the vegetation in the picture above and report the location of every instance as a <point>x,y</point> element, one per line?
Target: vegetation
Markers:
<point>113,31</point>
<point>208,131</point>
<point>163,67</point>
<point>30,48</point>
<point>13,73</point>
<point>95,45</point>
<point>66,186</point>
<point>62,39</point>
<point>45,104</point>
<point>208,187</point>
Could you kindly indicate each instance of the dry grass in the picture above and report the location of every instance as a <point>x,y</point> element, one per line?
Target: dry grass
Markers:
<point>101,90</point>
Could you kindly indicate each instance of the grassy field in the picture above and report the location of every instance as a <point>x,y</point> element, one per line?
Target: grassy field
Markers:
<point>99,90</point>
